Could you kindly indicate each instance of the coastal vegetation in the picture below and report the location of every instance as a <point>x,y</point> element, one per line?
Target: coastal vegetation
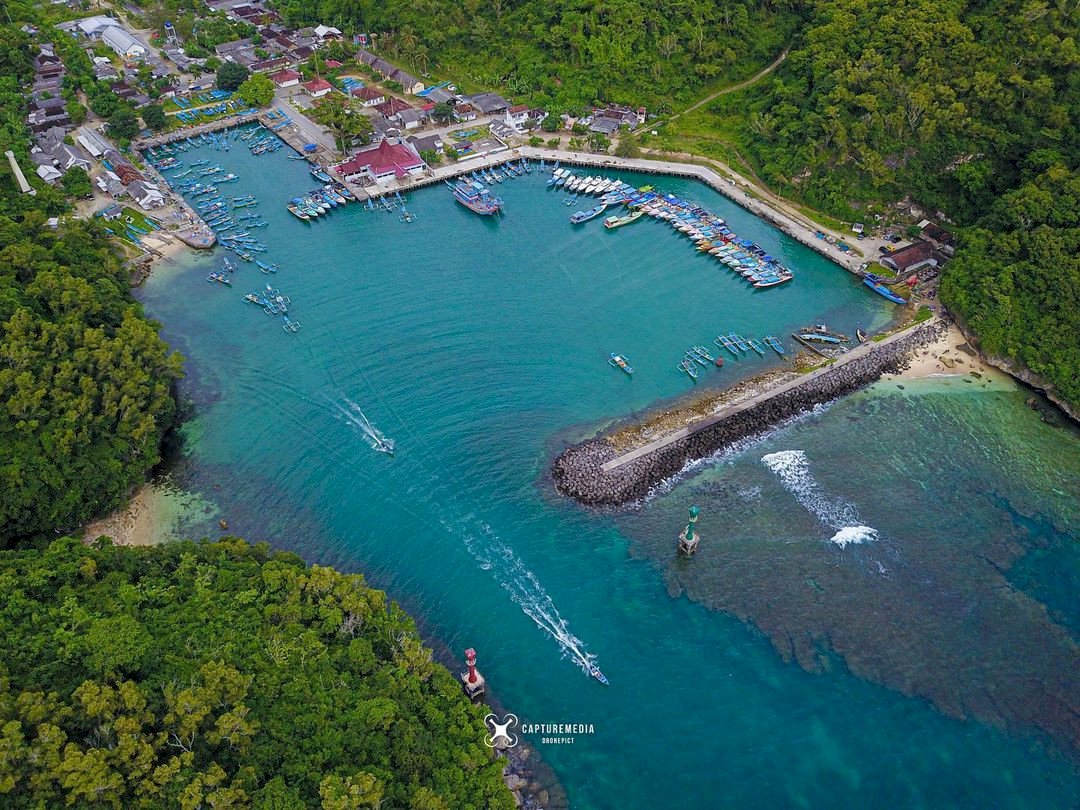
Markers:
<point>1016,279</point>
<point>224,675</point>
<point>85,380</point>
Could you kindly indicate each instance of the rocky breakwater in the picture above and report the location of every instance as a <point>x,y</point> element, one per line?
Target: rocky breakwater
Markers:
<point>594,473</point>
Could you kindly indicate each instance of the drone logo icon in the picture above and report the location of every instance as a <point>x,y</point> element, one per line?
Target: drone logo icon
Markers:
<point>501,735</point>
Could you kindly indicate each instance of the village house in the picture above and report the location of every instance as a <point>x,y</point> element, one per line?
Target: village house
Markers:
<point>465,112</point>
<point>123,43</point>
<point>440,95</point>
<point>609,120</point>
<point>408,82</point>
<point>425,143</point>
<point>318,87</point>
<point>105,71</point>
<point>326,33</point>
<point>368,96</point>
<point>517,115</point>
<point>109,183</point>
<point>90,27</point>
<point>489,103</point>
<point>411,119</point>
<point>60,156</point>
<point>92,143</point>
<point>911,258</point>
<point>50,174</point>
<point>392,106</point>
<point>285,78</point>
<point>146,194</point>
<point>938,235</point>
<point>381,163</point>
<point>271,65</point>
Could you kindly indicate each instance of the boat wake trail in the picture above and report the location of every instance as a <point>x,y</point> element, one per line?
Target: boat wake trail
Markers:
<point>480,541</point>
<point>522,585</point>
<point>355,417</point>
<point>793,470</point>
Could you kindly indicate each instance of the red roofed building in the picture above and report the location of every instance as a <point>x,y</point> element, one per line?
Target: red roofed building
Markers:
<point>392,106</point>
<point>318,87</point>
<point>383,162</point>
<point>333,63</point>
<point>286,78</point>
<point>369,96</point>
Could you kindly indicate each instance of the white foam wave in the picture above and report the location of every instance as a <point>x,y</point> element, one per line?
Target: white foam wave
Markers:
<point>793,470</point>
<point>854,534</point>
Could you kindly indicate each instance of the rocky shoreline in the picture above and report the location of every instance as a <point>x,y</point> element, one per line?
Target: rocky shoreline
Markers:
<point>578,471</point>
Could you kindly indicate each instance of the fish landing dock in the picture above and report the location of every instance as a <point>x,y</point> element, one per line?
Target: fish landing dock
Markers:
<point>594,474</point>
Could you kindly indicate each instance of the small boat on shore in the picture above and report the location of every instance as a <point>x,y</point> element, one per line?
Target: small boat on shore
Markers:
<point>618,361</point>
<point>618,222</point>
<point>585,216</point>
<point>874,282</point>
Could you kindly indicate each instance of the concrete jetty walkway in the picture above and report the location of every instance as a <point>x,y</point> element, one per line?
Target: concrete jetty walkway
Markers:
<point>859,351</point>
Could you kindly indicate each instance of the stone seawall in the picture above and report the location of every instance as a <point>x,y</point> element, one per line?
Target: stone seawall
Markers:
<point>591,472</point>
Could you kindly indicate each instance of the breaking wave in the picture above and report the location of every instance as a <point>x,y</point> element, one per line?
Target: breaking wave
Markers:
<point>793,470</point>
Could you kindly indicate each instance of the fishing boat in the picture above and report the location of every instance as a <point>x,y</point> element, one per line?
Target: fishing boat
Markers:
<point>618,361</point>
<point>220,278</point>
<point>594,670</point>
<point>860,335</point>
<point>701,352</point>
<point>317,172</point>
<point>774,343</point>
<point>290,325</point>
<point>875,283</point>
<point>693,357</point>
<point>756,346</point>
<point>617,222</point>
<point>227,265</point>
<point>727,343</point>
<point>267,268</point>
<point>739,341</point>
<point>818,337</point>
<point>585,216</point>
<point>688,367</point>
<point>475,197</point>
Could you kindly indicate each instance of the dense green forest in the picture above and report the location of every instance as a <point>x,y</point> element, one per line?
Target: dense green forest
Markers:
<point>573,52</point>
<point>85,381</point>
<point>1016,278</point>
<point>223,675</point>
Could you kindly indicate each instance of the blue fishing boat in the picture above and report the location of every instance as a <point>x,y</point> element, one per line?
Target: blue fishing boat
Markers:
<point>585,216</point>
<point>756,346</point>
<point>266,268</point>
<point>874,283</point>
<point>727,343</point>
<point>688,367</point>
<point>594,670</point>
<point>219,278</point>
<point>774,343</point>
<point>618,361</point>
<point>320,175</point>
<point>290,325</point>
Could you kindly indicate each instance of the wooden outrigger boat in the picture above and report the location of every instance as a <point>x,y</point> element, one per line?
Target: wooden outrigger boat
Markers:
<point>688,367</point>
<point>618,361</point>
<point>727,343</point>
<point>756,346</point>
<point>774,343</point>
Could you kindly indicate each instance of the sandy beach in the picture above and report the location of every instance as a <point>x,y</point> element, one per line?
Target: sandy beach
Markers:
<point>133,525</point>
<point>944,357</point>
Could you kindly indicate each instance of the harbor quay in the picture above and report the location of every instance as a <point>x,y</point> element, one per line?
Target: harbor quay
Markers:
<point>595,474</point>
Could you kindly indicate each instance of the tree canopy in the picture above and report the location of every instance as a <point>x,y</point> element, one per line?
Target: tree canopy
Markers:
<point>256,91</point>
<point>222,675</point>
<point>84,378</point>
<point>1016,278</point>
<point>231,75</point>
<point>341,115</point>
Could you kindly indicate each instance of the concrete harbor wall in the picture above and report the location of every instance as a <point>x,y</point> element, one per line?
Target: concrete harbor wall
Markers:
<point>594,474</point>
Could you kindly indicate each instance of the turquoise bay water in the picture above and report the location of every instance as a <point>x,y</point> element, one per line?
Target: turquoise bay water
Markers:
<point>480,346</point>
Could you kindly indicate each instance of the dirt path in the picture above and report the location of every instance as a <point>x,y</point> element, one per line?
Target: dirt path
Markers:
<point>740,85</point>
